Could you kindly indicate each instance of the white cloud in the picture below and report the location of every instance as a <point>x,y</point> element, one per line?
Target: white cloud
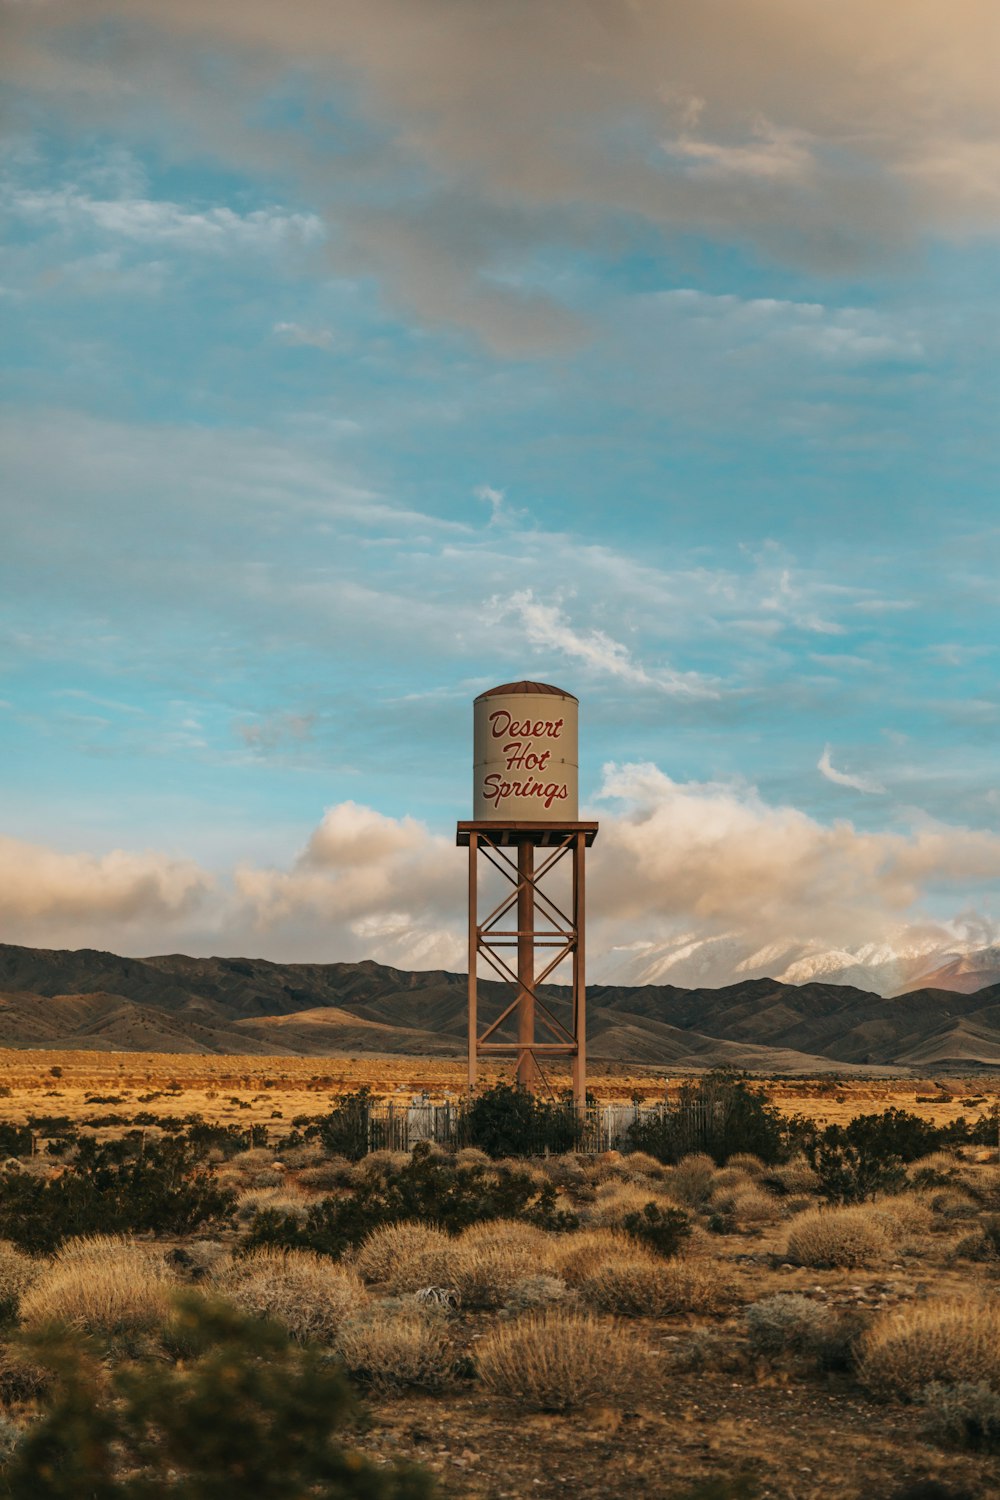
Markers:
<point>44,890</point>
<point>844,778</point>
<point>296,335</point>
<point>546,627</point>
<point>689,873</point>
<point>825,134</point>
<point>493,498</point>
<point>149,221</point>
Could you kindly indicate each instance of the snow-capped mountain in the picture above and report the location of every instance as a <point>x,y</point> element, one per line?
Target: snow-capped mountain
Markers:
<point>885,968</point>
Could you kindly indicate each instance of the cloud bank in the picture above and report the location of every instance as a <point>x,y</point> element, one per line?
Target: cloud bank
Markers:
<point>706,878</point>
<point>827,135</point>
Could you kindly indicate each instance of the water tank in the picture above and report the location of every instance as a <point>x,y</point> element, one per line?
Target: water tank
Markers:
<point>525,754</point>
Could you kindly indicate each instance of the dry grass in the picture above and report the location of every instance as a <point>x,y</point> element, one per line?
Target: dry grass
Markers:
<point>558,1360</point>
<point>484,1275</point>
<point>392,1348</point>
<point>948,1340</point>
<point>904,1213</point>
<point>726,1180</point>
<point>754,1205</point>
<point>641,1164</point>
<point>508,1232</point>
<point>17,1273</point>
<point>280,1200</point>
<point>326,1175</point>
<point>309,1295</point>
<point>796,1176</point>
<point>690,1181</point>
<point>637,1285</point>
<point>745,1161</point>
<point>575,1257</point>
<point>845,1237</point>
<point>614,1201</point>
<point>103,1284</point>
<point>404,1257</point>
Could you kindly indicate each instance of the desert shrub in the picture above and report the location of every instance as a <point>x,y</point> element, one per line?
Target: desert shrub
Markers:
<point>483,1274</point>
<point>115,1186</point>
<point>17,1272</point>
<point>278,1199</point>
<point>392,1348</point>
<point>640,1164</point>
<point>574,1257</point>
<point>869,1154</point>
<point>795,1176</point>
<point>532,1292</point>
<point>102,1286</point>
<point>746,1203</point>
<point>307,1294</point>
<point>984,1243</point>
<point>690,1182</point>
<point>404,1257</point>
<point>614,1201</point>
<point>965,1414</point>
<point>952,1203</point>
<point>745,1161</point>
<point>903,1213</point>
<point>507,1120</point>
<point>786,1322</point>
<point>246,1402</point>
<point>346,1130</point>
<point>830,1237</point>
<point>22,1378</point>
<point>508,1232</point>
<point>425,1188</point>
<point>324,1175</point>
<point>893,1133</point>
<point>380,1165</point>
<point>637,1286</point>
<point>945,1341</point>
<point>725,1181</point>
<point>724,1114</point>
<point>557,1360</point>
<point>471,1156</point>
<point>848,1174</point>
<point>660,1227</point>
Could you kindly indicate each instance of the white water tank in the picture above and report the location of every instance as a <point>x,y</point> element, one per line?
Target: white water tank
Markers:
<point>525,757</point>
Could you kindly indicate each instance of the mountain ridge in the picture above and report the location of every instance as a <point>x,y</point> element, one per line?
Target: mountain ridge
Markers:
<point>97,1000</point>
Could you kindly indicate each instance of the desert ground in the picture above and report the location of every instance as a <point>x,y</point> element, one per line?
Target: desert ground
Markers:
<point>760,1355</point>
<point>271,1091</point>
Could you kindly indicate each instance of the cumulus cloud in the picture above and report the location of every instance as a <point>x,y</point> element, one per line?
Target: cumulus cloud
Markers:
<point>825,133</point>
<point>844,778</point>
<point>51,897</point>
<point>698,882</point>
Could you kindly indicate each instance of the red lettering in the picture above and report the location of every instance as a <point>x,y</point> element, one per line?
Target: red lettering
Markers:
<point>501,723</point>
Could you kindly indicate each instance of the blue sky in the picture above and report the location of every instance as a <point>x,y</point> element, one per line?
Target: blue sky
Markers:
<point>358,358</point>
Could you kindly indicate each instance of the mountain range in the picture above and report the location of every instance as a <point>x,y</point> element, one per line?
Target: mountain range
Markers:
<point>92,1000</point>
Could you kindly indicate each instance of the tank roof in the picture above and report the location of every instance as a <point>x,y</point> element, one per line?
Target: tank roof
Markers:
<point>514,688</point>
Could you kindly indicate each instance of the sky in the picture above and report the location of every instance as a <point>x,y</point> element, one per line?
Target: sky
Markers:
<point>359,357</point>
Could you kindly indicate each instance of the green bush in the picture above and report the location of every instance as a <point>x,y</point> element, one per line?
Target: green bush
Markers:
<point>246,1410</point>
<point>427,1188</point>
<point>722,1114</point>
<point>663,1229</point>
<point>118,1187</point>
<point>963,1415</point>
<point>507,1120</point>
<point>849,1174</point>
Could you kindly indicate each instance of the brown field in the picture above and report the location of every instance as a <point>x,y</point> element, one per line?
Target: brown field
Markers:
<point>706,1402</point>
<point>272,1091</point>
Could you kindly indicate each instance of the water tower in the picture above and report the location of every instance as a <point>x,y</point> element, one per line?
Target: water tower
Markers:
<point>525,828</point>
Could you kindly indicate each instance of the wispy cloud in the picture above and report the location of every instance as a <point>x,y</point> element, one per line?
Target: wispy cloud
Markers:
<point>845,778</point>
<point>546,627</point>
